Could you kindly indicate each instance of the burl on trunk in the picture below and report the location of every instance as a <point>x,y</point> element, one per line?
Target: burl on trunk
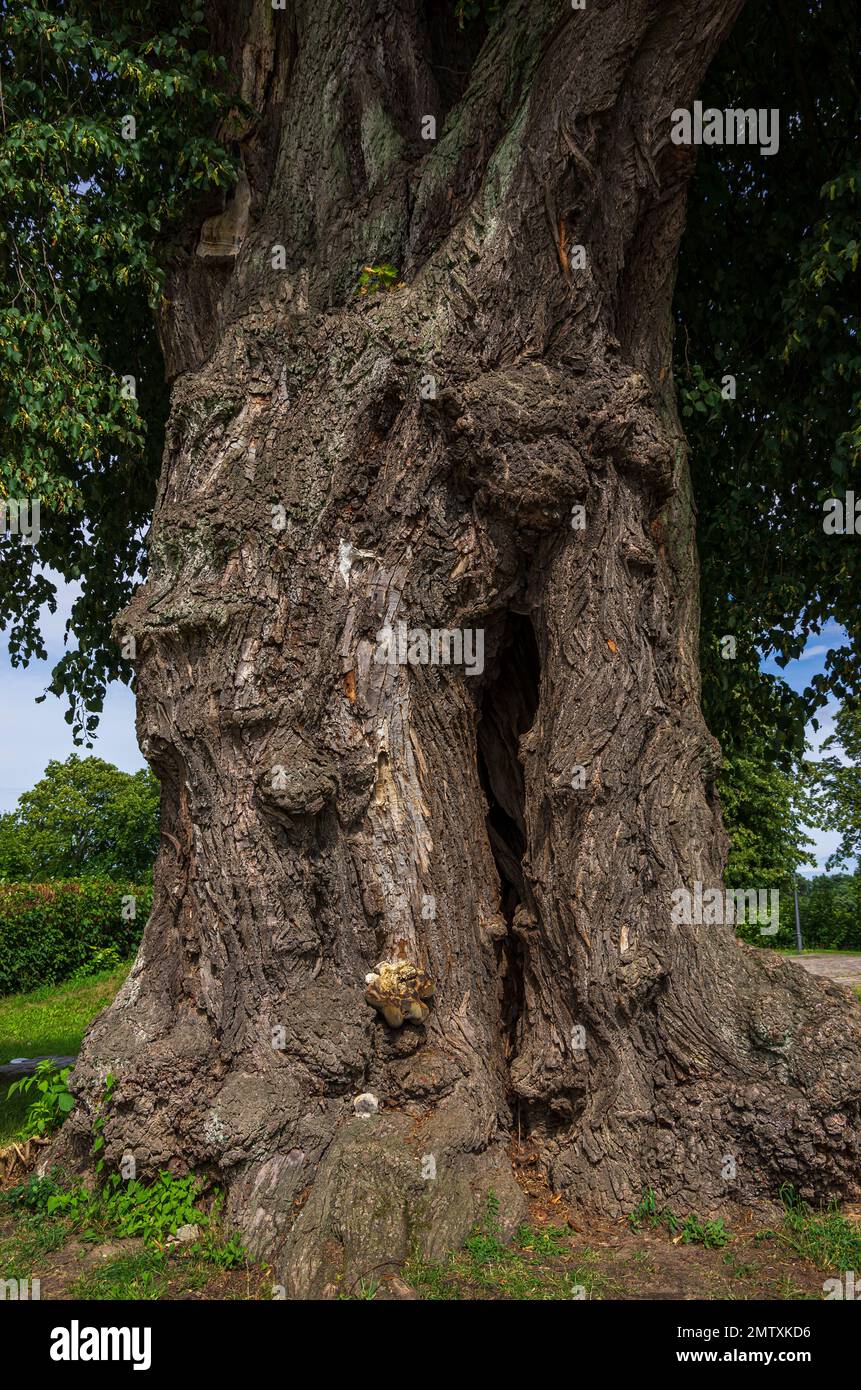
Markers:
<point>487,446</point>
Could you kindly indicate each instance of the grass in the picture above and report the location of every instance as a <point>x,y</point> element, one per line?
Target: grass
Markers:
<point>49,1021</point>
<point>120,1208</point>
<point>144,1275</point>
<point>691,1229</point>
<point>140,1276</point>
<point>536,1267</point>
<point>736,1268</point>
<point>55,1249</point>
<point>62,1230</point>
<point>13,1110</point>
<point>816,951</point>
<point>79,1248</point>
<point>24,1251</point>
<point>539,1264</point>
<point>824,1237</point>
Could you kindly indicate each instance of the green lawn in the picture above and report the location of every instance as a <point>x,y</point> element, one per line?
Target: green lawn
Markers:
<point>49,1021</point>
<point>815,951</point>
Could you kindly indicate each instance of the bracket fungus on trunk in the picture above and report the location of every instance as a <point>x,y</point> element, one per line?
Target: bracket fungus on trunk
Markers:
<point>397,990</point>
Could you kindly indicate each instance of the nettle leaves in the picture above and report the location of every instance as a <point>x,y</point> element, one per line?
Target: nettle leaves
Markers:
<point>107,133</point>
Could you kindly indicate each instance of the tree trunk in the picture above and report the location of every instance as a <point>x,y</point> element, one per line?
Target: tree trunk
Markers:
<point>325,810</point>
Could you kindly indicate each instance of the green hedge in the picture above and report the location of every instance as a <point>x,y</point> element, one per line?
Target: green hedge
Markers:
<point>830,911</point>
<point>48,931</point>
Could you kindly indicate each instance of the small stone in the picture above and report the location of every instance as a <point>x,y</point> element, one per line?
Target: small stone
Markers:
<point>187,1233</point>
<point>366,1105</point>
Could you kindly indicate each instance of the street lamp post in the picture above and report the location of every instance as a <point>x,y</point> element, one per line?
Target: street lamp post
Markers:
<point>799,943</point>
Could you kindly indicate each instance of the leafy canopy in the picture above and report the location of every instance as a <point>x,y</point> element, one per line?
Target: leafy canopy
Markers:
<point>830,911</point>
<point>89,202</point>
<point>769,293</point>
<point>764,812</point>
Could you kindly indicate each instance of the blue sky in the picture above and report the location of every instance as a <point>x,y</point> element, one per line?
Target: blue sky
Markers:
<point>33,734</point>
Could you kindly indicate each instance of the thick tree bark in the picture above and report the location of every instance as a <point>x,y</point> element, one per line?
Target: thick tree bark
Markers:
<point>324,811</point>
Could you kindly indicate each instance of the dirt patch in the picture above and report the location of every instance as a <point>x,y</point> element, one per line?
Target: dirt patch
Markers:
<point>622,1263</point>
<point>89,1270</point>
<point>605,1260</point>
<point>653,1265</point>
<point>562,1253</point>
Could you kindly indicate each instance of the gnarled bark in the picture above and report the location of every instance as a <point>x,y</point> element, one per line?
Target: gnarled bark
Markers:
<point>324,811</point>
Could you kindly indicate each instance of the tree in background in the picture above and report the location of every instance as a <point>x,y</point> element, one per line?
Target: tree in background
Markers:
<point>107,115</point>
<point>83,819</point>
<point>768,358</point>
<point>830,907</point>
<point>764,811</point>
<point>770,384</point>
<point>838,785</point>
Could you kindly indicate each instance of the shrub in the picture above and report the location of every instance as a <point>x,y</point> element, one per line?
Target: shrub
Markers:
<point>50,930</point>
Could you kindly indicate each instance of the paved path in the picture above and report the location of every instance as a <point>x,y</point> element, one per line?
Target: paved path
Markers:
<point>844,970</point>
<point>25,1066</point>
